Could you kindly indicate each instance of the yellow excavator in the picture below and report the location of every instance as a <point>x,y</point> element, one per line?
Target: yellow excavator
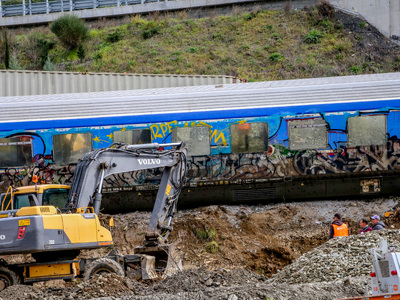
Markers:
<point>32,222</point>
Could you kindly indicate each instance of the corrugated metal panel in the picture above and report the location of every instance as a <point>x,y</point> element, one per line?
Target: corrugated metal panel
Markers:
<point>201,98</point>
<point>21,83</point>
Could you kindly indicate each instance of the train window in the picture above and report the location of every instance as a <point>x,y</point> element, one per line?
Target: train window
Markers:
<point>197,139</point>
<point>366,130</point>
<point>15,152</point>
<point>308,134</point>
<point>249,137</point>
<point>130,137</point>
<point>69,148</point>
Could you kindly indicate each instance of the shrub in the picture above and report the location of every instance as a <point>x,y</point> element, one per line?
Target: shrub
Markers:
<point>325,9</point>
<point>313,37</point>
<point>249,16</point>
<point>14,65</point>
<point>7,51</point>
<point>207,234</point>
<point>150,29</point>
<point>362,24</point>
<point>212,247</point>
<point>70,30</point>
<point>339,56</point>
<point>49,66</point>
<point>192,49</point>
<point>81,52</point>
<point>276,56</point>
<point>114,37</point>
<point>355,69</point>
<point>44,47</point>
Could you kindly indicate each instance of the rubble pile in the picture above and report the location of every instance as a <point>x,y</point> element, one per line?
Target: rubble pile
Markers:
<point>337,259</point>
<point>204,280</point>
<point>253,241</point>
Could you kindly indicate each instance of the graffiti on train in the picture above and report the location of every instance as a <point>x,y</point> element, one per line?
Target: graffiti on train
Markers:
<point>277,162</point>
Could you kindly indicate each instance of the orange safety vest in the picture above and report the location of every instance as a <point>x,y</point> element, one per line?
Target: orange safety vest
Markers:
<point>341,230</point>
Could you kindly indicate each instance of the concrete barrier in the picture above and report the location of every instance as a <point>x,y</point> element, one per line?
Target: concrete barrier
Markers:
<point>382,14</point>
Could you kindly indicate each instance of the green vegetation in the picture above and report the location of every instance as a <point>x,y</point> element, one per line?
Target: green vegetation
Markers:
<point>70,30</point>
<point>206,234</point>
<point>212,247</point>
<point>257,45</point>
<point>313,37</point>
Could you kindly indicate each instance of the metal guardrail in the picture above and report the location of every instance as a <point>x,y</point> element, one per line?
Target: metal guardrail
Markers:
<point>29,8</point>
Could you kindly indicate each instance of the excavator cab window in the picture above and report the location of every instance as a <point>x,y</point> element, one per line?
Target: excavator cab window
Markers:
<point>21,200</point>
<point>55,197</point>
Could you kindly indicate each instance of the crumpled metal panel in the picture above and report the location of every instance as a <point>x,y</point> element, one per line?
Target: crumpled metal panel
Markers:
<point>308,134</point>
<point>366,130</point>
<point>15,152</point>
<point>130,137</point>
<point>197,139</point>
<point>249,137</point>
<point>69,148</point>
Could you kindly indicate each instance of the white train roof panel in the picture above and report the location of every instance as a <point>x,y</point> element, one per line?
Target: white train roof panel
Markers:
<point>255,95</point>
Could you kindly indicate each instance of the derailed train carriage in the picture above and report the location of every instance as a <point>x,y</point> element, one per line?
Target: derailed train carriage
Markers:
<point>251,142</point>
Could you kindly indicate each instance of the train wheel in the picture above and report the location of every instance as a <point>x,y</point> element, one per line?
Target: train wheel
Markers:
<point>103,265</point>
<point>8,278</point>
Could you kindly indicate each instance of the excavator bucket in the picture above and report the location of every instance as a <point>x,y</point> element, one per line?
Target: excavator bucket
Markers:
<point>174,263</point>
<point>167,260</point>
<point>148,267</point>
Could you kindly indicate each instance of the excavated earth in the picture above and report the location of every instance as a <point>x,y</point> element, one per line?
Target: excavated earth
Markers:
<point>277,251</point>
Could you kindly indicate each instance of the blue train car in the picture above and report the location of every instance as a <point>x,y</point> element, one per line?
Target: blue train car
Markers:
<point>264,141</point>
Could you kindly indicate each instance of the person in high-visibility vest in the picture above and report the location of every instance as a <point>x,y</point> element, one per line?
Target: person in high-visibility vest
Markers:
<point>338,228</point>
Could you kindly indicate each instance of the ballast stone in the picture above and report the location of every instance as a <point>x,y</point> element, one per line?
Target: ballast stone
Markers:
<point>337,259</point>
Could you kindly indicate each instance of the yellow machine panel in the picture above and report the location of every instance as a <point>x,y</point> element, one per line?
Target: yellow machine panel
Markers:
<point>79,228</point>
<point>36,210</point>
<point>40,188</point>
<point>53,222</point>
<point>51,270</point>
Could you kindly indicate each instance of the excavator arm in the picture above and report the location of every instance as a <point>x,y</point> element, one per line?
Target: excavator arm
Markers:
<point>99,164</point>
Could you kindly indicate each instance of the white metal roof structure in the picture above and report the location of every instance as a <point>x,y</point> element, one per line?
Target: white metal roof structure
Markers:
<point>192,99</point>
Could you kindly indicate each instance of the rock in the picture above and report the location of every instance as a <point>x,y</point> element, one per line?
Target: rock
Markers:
<point>209,282</point>
<point>347,281</point>
<point>233,297</point>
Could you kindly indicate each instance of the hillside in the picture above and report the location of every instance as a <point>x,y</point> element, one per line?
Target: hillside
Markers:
<point>249,43</point>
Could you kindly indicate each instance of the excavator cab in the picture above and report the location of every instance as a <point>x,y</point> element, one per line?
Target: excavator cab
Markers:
<point>35,195</point>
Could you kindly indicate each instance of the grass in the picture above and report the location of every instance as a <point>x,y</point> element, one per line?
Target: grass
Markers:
<point>206,234</point>
<point>258,45</point>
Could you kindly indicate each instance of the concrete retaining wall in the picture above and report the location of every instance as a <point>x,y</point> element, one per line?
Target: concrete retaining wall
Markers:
<point>150,7</point>
<point>382,14</point>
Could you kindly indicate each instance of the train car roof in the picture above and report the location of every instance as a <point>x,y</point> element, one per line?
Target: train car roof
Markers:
<point>199,99</point>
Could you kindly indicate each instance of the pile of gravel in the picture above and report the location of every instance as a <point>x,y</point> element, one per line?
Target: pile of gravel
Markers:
<point>337,259</point>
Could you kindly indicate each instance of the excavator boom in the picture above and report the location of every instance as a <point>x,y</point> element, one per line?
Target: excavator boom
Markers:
<point>99,164</point>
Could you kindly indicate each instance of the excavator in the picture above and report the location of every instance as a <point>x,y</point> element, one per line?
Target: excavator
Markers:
<point>54,236</point>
